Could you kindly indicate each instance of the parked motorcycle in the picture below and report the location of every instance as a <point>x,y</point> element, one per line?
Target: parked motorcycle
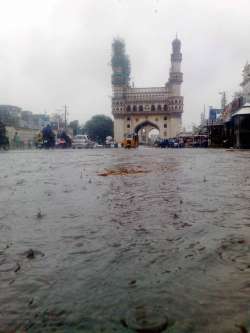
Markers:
<point>64,140</point>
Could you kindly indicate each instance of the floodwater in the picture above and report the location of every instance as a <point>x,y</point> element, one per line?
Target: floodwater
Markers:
<point>171,241</point>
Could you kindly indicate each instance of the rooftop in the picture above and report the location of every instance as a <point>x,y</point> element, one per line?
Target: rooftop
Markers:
<point>244,110</point>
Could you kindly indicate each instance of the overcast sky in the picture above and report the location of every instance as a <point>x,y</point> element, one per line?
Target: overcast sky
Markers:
<point>56,52</point>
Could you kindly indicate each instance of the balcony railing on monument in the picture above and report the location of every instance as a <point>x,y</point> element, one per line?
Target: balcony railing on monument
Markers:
<point>147,112</point>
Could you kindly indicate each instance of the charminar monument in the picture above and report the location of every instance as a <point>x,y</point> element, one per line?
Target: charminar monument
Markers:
<point>155,107</point>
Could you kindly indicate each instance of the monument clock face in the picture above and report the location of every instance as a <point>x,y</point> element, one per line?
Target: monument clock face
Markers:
<point>142,109</point>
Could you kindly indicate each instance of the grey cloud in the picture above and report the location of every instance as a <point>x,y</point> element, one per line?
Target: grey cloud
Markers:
<point>57,52</point>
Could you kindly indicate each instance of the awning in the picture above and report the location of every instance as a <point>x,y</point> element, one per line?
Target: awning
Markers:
<point>245,109</point>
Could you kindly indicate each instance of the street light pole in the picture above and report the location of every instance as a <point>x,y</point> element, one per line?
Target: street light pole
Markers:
<point>65,116</point>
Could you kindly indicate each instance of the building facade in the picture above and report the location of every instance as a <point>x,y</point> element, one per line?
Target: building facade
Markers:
<point>155,107</point>
<point>232,128</point>
<point>14,116</point>
<point>26,136</point>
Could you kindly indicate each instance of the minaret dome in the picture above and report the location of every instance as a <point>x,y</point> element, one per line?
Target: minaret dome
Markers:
<point>176,44</point>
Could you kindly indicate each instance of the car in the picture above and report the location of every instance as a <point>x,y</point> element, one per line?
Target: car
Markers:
<point>82,141</point>
<point>163,143</point>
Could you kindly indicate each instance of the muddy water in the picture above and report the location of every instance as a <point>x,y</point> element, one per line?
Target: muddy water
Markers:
<point>175,238</point>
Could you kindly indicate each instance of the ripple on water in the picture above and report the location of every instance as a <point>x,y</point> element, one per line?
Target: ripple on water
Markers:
<point>146,318</point>
<point>235,251</point>
<point>7,266</point>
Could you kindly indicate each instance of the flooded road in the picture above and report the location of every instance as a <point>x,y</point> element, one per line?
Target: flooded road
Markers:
<point>85,247</point>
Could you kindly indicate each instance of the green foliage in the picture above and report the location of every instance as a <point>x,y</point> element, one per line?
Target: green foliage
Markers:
<point>120,63</point>
<point>99,127</point>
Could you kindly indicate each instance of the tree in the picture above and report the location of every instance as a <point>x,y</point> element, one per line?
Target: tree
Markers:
<point>57,121</point>
<point>75,126</point>
<point>196,129</point>
<point>99,127</point>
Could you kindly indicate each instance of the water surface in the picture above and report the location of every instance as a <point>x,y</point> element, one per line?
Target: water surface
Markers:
<point>176,237</point>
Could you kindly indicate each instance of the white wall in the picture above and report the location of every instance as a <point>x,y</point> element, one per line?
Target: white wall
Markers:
<point>119,129</point>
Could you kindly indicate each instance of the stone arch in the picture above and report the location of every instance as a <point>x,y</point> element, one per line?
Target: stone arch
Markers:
<point>144,124</point>
<point>143,129</point>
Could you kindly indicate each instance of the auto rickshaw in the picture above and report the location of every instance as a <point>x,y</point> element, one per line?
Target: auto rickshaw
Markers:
<point>130,141</point>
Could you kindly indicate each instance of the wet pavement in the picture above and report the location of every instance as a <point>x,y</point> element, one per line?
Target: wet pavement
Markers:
<point>87,245</point>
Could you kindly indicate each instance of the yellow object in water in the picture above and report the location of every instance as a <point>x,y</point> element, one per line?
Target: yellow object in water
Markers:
<point>39,139</point>
<point>131,141</point>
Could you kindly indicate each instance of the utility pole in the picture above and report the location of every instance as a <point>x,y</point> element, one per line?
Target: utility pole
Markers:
<point>203,115</point>
<point>65,116</point>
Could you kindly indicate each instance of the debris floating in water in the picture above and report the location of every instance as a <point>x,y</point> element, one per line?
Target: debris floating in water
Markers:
<point>17,268</point>
<point>123,171</point>
<point>39,214</point>
<point>132,282</point>
<point>30,254</point>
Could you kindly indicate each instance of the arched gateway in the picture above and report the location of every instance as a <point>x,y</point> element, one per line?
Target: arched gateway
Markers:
<point>145,123</point>
<point>134,108</point>
<point>144,131</point>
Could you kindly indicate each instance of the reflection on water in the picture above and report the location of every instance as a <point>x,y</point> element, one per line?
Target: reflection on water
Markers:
<point>173,240</point>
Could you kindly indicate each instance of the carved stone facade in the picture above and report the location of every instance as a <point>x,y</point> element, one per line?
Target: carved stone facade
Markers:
<point>157,107</point>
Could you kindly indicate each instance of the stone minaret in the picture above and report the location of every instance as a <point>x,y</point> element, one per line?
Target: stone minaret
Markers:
<point>120,83</point>
<point>175,75</point>
<point>121,68</point>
